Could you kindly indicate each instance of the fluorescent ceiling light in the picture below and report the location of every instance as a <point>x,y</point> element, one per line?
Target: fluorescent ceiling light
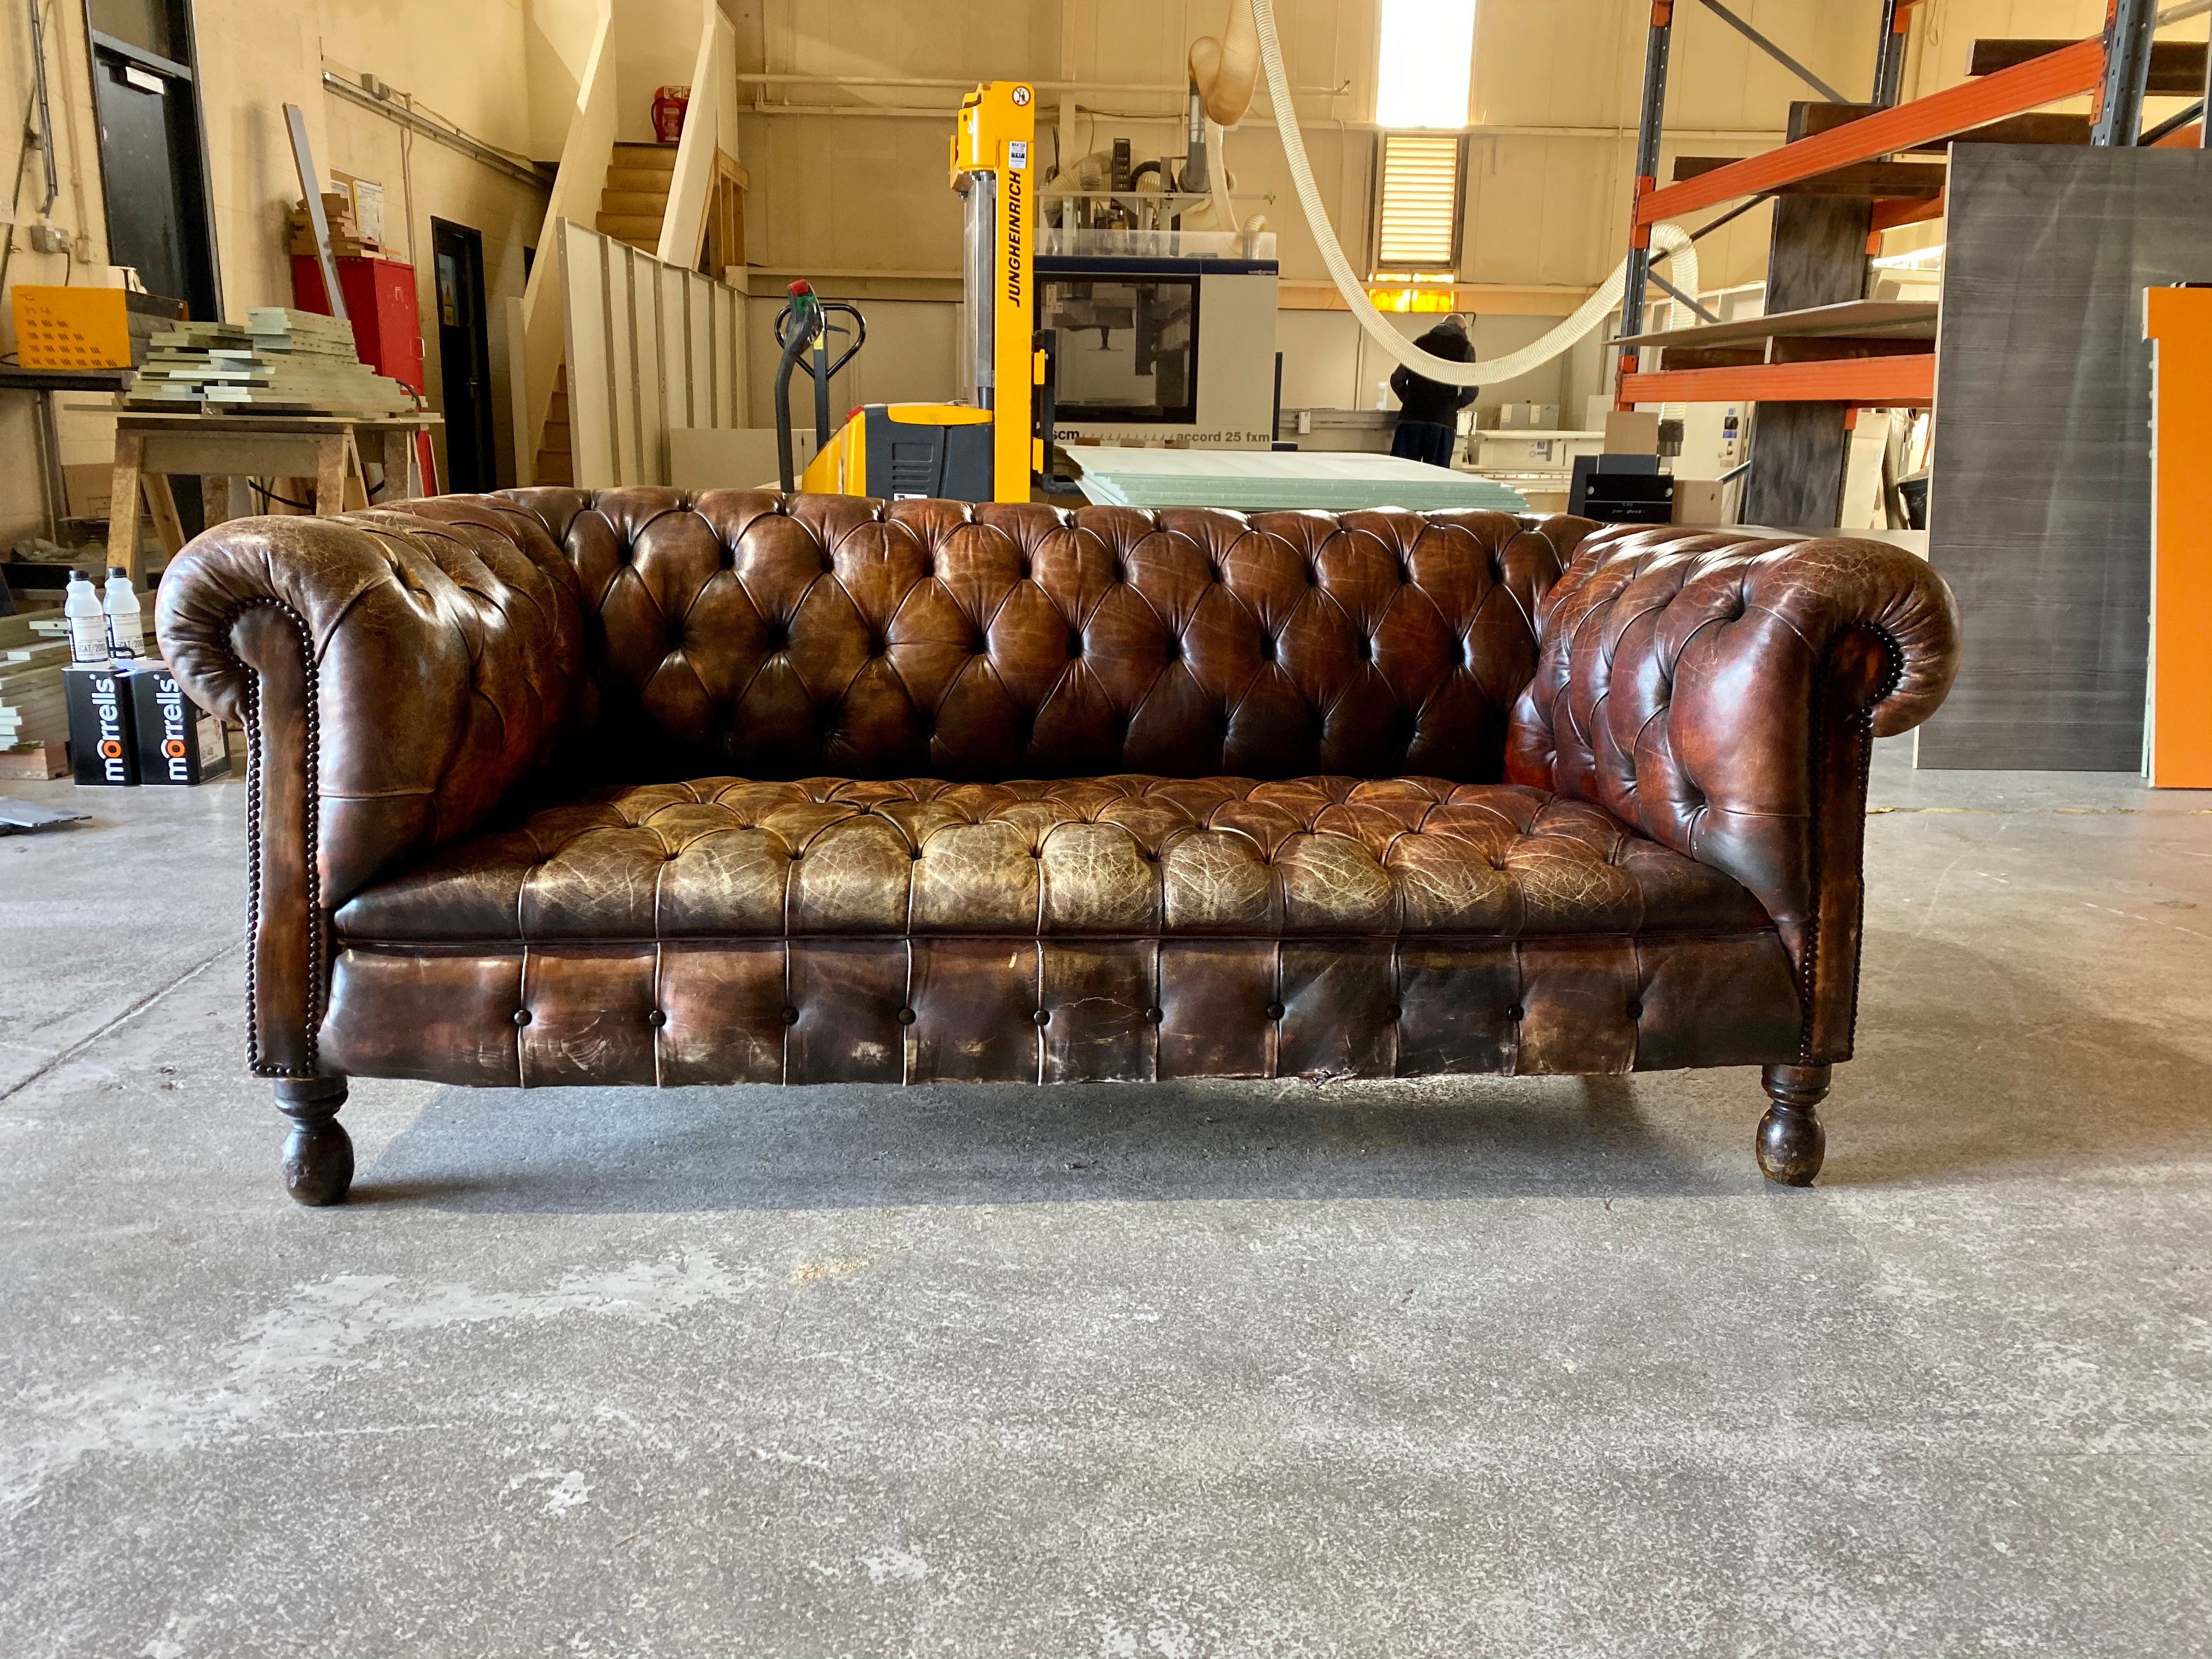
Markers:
<point>1425,63</point>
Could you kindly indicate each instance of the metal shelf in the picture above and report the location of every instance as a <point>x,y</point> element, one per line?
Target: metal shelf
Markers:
<point>13,379</point>
<point>2067,73</point>
<point>1863,382</point>
<point>1860,319</point>
<point>1857,150</point>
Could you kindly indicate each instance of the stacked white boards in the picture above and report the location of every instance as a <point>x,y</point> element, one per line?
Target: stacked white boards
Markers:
<point>1258,480</point>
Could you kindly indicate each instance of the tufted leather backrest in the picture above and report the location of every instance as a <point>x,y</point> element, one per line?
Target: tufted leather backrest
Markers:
<point>774,637</point>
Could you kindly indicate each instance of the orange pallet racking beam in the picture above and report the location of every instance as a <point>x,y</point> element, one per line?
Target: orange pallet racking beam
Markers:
<point>1889,215</point>
<point>1868,382</point>
<point>2069,73</point>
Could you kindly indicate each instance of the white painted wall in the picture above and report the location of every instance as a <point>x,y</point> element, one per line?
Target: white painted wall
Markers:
<point>556,43</point>
<point>256,56</point>
<point>657,44</point>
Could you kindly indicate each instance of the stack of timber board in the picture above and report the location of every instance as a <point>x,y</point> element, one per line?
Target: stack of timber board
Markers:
<point>282,361</point>
<point>32,657</point>
<point>346,239</point>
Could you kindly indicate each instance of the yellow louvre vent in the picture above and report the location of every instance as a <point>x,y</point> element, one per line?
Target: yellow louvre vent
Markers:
<point>1418,229</point>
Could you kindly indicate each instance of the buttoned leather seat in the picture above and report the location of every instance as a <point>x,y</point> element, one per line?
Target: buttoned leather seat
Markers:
<point>728,857</point>
<point>1078,929</point>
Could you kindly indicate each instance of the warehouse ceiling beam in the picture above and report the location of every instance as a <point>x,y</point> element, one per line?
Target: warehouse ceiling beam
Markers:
<point>1774,51</point>
<point>1176,89</point>
<point>1180,117</point>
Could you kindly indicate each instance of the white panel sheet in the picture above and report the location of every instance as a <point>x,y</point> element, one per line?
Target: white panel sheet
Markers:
<point>591,404</point>
<point>652,350</point>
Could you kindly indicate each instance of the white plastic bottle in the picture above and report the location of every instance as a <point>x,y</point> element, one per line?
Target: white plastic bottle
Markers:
<point>126,633</point>
<point>87,623</point>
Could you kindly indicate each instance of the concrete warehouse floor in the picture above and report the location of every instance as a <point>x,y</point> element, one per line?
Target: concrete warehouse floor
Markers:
<point>1470,1367</point>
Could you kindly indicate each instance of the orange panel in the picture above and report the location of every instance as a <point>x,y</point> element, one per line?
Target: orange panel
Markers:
<point>68,327</point>
<point>1889,215</point>
<point>2178,321</point>
<point>2064,74</point>
<point>1873,382</point>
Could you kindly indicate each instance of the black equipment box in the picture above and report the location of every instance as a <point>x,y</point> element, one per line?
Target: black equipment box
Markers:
<point>1622,489</point>
<point>178,741</point>
<point>102,747</point>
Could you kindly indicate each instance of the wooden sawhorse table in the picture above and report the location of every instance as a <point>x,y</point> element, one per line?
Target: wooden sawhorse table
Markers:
<point>226,450</point>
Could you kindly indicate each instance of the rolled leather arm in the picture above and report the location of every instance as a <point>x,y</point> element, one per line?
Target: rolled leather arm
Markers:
<point>397,672</point>
<point>1721,693</point>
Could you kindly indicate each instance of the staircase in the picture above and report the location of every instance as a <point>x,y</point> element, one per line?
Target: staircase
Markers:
<point>557,464</point>
<point>611,202</point>
<point>631,208</point>
<point>635,199</point>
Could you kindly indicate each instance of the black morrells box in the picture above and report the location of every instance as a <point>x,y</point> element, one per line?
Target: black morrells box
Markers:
<point>179,742</point>
<point>102,749</point>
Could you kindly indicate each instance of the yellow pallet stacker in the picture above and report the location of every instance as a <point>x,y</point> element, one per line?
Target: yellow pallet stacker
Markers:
<point>990,445</point>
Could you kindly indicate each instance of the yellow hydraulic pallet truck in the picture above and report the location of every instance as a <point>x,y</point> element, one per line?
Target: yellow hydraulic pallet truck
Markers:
<point>993,443</point>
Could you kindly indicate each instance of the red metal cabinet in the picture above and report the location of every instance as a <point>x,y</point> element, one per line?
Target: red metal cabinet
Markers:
<point>380,296</point>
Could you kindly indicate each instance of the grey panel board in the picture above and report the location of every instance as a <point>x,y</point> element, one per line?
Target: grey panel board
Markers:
<point>2039,504</point>
<point>1816,256</point>
<point>1798,454</point>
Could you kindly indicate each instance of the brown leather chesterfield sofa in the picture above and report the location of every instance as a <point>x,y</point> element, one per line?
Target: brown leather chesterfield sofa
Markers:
<point>636,786</point>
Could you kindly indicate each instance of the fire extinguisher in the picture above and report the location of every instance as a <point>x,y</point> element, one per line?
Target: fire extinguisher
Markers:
<point>669,104</point>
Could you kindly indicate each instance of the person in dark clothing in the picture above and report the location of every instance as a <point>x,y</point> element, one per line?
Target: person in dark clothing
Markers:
<point>1428,417</point>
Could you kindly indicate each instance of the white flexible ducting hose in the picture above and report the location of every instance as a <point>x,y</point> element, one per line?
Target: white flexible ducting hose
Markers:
<point>1224,209</point>
<point>1672,238</point>
<point>1224,72</point>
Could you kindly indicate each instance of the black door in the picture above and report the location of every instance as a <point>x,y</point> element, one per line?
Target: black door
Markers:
<point>464,358</point>
<point>152,165</point>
